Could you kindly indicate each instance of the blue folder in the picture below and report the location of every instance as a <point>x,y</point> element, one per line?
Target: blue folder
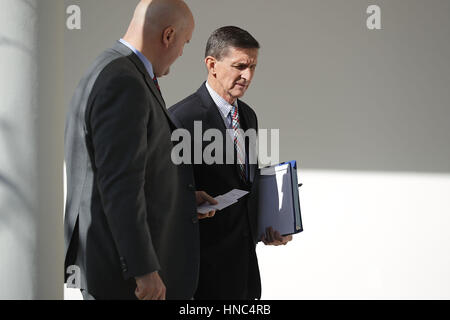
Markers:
<point>278,199</point>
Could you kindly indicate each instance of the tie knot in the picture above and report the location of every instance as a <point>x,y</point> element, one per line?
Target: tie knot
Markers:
<point>234,111</point>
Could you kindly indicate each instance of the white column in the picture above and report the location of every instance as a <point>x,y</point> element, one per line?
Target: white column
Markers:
<point>31,149</point>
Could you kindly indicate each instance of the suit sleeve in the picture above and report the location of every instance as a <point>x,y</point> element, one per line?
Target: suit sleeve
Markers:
<point>118,121</point>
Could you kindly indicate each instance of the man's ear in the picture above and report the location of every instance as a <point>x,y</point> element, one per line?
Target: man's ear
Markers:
<point>211,64</point>
<point>168,36</point>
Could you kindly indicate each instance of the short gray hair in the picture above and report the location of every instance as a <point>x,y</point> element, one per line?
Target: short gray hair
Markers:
<point>229,37</point>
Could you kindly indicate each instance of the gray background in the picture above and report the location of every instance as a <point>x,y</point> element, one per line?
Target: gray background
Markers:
<point>344,97</point>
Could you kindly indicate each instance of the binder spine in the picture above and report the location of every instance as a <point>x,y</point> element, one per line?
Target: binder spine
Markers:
<point>295,197</point>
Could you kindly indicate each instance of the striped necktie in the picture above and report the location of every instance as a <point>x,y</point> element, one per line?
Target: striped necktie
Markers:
<point>238,141</point>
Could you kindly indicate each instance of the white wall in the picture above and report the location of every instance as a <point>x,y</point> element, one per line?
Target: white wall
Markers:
<point>367,235</point>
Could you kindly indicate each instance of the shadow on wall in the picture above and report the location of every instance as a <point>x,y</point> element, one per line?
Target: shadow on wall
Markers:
<point>15,204</point>
<point>30,3</point>
<point>7,42</point>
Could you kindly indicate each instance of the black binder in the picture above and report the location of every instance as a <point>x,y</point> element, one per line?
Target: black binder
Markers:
<point>278,199</point>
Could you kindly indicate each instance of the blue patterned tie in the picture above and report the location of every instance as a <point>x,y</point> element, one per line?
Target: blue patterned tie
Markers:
<point>238,141</point>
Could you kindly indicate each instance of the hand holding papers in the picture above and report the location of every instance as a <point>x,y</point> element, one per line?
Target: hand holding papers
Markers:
<point>223,201</point>
<point>201,197</point>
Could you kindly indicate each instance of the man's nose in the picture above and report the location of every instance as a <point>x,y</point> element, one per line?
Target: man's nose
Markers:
<point>246,74</point>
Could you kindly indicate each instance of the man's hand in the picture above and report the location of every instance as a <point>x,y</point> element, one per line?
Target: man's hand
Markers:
<point>150,287</point>
<point>202,197</point>
<point>273,238</point>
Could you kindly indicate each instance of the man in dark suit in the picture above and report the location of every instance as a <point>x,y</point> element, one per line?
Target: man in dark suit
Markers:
<point>131,225</point>
<point>229,266</point>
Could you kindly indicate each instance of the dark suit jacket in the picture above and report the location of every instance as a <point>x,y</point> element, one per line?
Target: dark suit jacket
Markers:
<point>129,210</point>
<point>228,267</point>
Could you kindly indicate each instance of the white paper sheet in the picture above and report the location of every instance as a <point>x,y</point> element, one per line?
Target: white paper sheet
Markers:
<point>224,201</point>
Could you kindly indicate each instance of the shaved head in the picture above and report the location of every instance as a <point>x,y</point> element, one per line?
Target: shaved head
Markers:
<point>160,14</point>
<point>160,29</point>
<point>154,16</point>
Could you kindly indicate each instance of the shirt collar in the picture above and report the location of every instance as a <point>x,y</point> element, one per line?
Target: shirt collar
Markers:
<point>145,61</point>
<point>223,105</point>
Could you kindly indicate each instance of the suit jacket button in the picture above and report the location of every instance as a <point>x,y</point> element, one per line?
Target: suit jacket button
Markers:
<point>194,219</point>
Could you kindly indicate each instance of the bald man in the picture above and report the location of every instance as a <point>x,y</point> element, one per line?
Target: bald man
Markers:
<point>131,226</point>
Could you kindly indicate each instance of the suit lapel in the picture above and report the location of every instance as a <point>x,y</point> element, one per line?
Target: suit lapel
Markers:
<point>247,124</point>
<point>213,117</point>
<point>215,120</point>
<point>125,51</point>
<point>243,115</point>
